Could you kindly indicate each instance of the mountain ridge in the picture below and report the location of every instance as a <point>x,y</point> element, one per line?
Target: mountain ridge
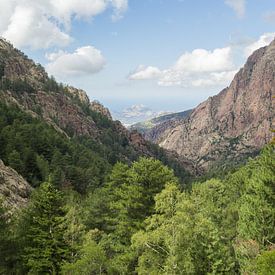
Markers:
<point>231,125</point>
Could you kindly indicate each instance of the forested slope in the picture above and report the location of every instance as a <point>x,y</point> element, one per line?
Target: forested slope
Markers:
<point>140,222</point>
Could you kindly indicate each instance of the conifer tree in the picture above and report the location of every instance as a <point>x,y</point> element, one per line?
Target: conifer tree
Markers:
<point>4,242</point>
<point>43,229</point>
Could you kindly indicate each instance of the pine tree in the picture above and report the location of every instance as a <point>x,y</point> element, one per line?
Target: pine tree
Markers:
<point>43,228</point>
<point>4,242</point>
<point>15,161</point>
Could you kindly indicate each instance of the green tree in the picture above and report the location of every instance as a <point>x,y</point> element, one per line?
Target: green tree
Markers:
<point>75,229</point>
<point>92,259</point>
<point>180,239</point>
<point>265,263</point>
<point>14,161</point>
<point>4,239</point>
<point>256,210</point>
<point>157,244</point>
<point>43,229</point>
<point>152,175</point>
<point>123,203</point>
<point>43,167</point>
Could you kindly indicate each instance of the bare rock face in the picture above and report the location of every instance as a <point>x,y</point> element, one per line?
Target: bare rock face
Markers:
<point>19,66</point>
<point>14,190</point>
<point>233,123</point>
<point>62,107</point>
<point>138,141</point>
<point>80,94</point>
<point>97,107</point>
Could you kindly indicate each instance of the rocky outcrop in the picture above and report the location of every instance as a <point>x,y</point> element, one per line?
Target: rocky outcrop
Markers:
<point>99,108</point>
<point>36,93</point>
<point>14,190</point>
<point>232,124</point>
<point>18,66</point>
<point>78,93</point>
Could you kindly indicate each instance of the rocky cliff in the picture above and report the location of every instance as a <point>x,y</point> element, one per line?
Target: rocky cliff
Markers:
<point>14,190</point>
<point>66,108</point>
<point>233,124</point>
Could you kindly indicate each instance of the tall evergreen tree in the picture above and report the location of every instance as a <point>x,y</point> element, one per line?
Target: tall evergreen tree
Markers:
<point>4,241</point>
<point>43,229</point>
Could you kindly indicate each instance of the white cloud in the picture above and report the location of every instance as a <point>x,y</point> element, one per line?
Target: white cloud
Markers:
<point>238,6</point>
<point>197,68</point>
<point>201,60</point>
<point>120,7</point>
<point>84,61</point>
<point>221,78</point>
<point>264,40</point>
<point>46,23</point>
<point>28,28</point>
<point>142,73</point>
<point>202,68</point>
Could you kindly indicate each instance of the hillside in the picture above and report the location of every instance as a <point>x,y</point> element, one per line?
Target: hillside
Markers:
<point>232,125</point>
<point>48,128</point>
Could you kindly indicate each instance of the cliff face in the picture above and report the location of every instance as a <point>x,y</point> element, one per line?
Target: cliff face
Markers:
<point>14,190</point>
<point>28,85</point>
<point>234,123</point>
<point>67,109</point>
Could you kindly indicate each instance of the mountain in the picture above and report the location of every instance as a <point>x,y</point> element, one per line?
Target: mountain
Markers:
<point>136,113</point>
<point>232,125</point>
<point>151,129</point>
<point>48,128</point>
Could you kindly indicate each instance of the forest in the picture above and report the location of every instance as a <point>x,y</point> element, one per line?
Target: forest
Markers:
<point>93,213</point>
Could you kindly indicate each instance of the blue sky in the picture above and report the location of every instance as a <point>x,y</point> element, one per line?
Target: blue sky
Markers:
<point>116,37</point>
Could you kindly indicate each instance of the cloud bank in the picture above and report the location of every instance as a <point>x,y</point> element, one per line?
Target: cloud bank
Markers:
<point>197,68</point>
<point>46,23</point>
<point>201,67</point>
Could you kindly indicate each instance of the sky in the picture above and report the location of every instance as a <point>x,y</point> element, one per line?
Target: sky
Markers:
<point>140,55</point>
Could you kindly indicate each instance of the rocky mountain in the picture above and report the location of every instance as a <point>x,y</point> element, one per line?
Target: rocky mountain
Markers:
<point>232,125</point>
<point>151,129</point>
<point>67,111</point>
<point>66,108</point>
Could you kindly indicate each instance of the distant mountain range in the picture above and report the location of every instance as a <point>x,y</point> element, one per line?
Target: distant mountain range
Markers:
<point>151,128</point>
<point>136,113</point>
